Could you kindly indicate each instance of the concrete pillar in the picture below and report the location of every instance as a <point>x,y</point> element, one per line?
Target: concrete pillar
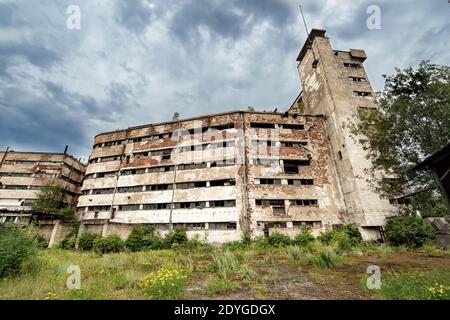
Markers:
<point>56,225</point>
<point>80,232</point>
<point>105,229</point>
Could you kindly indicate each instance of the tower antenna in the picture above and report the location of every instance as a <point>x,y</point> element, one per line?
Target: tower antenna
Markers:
<point>308,35</point>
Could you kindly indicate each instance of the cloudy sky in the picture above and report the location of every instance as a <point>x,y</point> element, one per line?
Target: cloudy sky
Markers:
<point>138,61</point>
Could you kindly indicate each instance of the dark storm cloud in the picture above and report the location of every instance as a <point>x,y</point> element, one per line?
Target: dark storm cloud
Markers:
<point>230,20</point>
<point>6,14</point>
<point>34,53</point>
<point>134,15</point>
<point>137,62</point>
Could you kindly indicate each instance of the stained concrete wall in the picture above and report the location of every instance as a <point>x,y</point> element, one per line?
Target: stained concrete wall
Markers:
<point>329,89</point>
<point>236,129</point>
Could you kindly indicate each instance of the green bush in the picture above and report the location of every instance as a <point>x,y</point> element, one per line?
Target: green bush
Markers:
<point>144,238</point>
<point>278,239</point>
<point>345,237</point>
<point>261,242</point>
<point>176,237</point>
<point>304,237</point>
<point>68,243</point>
<point>408,230</point>
<point>17,246</point>
<point>352,232</point>
<point>111,244</point>
<point>86,241</point>
<point>233,245</point>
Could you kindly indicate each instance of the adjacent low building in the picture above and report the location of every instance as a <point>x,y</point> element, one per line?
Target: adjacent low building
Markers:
<point>24,174</point>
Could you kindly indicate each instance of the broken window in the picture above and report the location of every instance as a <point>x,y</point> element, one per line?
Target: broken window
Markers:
<point>130,207</point>
<point>292,166</point>
<point>191,226</point>
<point>265,162</point>
<point>222,183</point>
<point>190,205</point>
<point>102,191</point>
<point>161,169</point>
<point>262,125</point>
<point>224,163</point>
<point>357,79</point>
<point>293,144</point>
<point>270,181</point>
<point>311,224</point>
<point>222,225</point>
<point>156,206</point>
<point>362,93</point>
<point>192,166</point>
<point>99,208</point>
<point>191,185</point>
<point>222,203</point>
<point>159,187</point>
<point>351,65</point>
<point>294,126</point>
<point>304,203</point>
<point>301,182</point>
<point>130,189</point>
<point>274,225</point>
<point>262,202</point>
<point>141,155</point>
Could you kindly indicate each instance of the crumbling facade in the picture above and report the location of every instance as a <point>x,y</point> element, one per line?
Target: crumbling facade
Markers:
<point>336,85</point>
<point>222,175</point>
<point>24,174</point>
<point>225,174</point>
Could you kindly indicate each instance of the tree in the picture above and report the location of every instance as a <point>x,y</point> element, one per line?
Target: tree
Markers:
<point>412,122</point>
<point>50,200</point>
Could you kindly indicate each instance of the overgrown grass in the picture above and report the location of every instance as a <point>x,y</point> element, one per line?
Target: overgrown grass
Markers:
<point>431,285</point>
<point>249,271</point>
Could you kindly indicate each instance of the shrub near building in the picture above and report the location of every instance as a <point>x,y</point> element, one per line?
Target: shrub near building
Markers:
<point>408,230</point>
<point>17,246</point>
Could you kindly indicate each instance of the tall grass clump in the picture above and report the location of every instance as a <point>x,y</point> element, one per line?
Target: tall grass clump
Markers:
<point>321,256</point>
<point>295,253</point>
<point>225,264</point>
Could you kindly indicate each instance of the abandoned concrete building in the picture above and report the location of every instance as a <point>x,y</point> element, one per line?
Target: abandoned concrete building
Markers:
<point>23,174</point>
<point>225,174</point>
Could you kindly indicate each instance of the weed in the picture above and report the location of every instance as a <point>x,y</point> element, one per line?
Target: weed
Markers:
<point>167,283</point>
<point>219,285</point>
<point>294,254</point>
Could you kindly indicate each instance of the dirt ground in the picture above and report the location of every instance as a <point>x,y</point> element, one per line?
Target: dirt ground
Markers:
<point>343,282</point>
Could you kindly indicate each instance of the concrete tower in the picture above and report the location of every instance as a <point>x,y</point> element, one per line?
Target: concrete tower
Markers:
<point>335,84</point>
